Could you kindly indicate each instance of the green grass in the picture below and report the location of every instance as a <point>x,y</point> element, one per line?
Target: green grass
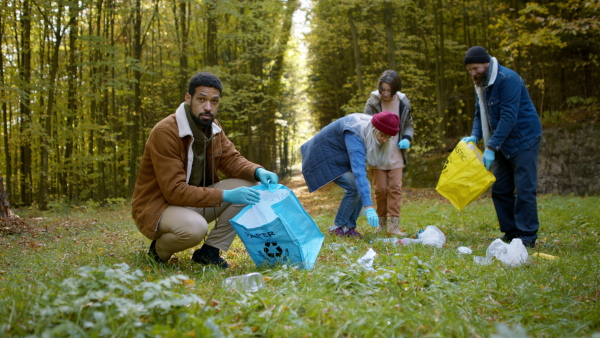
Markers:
<point>84,272</point>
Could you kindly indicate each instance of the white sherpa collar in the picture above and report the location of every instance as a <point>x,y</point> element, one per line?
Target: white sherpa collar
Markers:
<point>485,129</point>
<point>376,94</point>
<point>493,71</point>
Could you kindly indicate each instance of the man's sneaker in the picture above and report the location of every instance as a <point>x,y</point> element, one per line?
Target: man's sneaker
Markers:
<point>507,238</point>
<point>353,233</point>
<point>208,255</point>
<point>337,231</point>
<point>152,253</point>
<point>529,244</point>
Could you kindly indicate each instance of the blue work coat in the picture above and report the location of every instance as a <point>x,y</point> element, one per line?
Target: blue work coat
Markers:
<point>513,119</point>
<point>334,151</point>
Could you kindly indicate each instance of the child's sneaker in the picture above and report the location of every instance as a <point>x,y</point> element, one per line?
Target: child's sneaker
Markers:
<point>353,233</point>
<point>338,231</point>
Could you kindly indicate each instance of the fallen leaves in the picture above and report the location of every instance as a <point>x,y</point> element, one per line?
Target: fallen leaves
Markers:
<point>545,256</point>
<point>328,197</point>
<point>13,225</point>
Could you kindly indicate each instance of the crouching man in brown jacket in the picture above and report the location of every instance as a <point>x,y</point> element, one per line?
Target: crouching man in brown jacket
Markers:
<point>178,192</point>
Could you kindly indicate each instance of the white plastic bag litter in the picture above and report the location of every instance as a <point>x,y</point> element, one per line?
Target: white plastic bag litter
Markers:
<point>513,254</point>
<point>367,260</point>
<point>432,236</point>
<point>465,250</point>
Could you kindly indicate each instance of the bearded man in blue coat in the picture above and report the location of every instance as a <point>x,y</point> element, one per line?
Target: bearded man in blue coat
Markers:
<point>507,120</point>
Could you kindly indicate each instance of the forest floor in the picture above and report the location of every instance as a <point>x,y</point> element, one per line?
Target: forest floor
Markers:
<point>83,270</point>
<point>327,198</point>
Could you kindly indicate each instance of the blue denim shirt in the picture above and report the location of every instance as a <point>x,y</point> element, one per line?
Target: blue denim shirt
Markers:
<point>513,119</point>
<point>334,151</point>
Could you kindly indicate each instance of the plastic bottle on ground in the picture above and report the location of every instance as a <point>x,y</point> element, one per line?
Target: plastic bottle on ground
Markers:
<point>250,282</point>
<point>408,241</point>
<point>389,240</point>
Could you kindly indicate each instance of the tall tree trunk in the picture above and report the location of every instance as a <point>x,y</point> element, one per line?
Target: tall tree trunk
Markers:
<point>114,160</point>
<point>25,102</point>
<point>113,120</point>
<point>137,99</point>
<point>181,11</point>
<point>212,28</point>
<point>466,24</point>
<point>389,34</point>
<point>5,119</point>
<point>440,70</point>
<point>466,90</point>
<point>46,141</point>
<point>102,117</point>
<point>71,101</point>
<point>274,89</point>
<point>356,48</point>
<point>86,175</point>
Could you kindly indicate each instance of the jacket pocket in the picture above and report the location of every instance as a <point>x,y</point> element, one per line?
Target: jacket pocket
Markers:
<point>217,150</point>
<point>494,104</point>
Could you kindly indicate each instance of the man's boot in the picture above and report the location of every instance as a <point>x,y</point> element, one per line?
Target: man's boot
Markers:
<point>152,253</point>
<point>393,228</point>
<point>382,225</point>
<point>209,255</point>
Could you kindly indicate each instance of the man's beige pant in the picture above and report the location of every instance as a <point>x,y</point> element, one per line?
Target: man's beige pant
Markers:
<point>181,228</point>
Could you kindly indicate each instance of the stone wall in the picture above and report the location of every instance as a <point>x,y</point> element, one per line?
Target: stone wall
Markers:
<point>569,162</point>
<point>423,171</point>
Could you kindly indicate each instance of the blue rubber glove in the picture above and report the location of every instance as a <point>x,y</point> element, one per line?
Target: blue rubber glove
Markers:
<point>469,139</point>
<point>372,217</point>
<point>241,195</point>
<point>404,144</point>
<point>488,158</point>
<point>266,177</point>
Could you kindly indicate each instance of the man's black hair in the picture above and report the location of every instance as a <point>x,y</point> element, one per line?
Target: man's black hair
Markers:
<point>204,79</point>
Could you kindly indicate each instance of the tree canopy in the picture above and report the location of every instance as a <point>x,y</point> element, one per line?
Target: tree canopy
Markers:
<point>82,83</point>
<point>552,45</point>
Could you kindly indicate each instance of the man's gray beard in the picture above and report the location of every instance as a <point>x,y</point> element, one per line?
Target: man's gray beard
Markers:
<point>482,82</point>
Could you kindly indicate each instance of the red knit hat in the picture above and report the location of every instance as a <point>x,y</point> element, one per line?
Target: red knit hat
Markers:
<point>386,122</point>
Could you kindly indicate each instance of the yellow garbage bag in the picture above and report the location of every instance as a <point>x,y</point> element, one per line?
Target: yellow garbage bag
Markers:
<point>464,177</point>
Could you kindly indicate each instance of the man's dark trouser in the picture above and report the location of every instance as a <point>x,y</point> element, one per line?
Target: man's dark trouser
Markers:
<point>514,193</point>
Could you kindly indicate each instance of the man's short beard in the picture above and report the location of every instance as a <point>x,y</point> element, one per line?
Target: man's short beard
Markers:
<point>201,123</point>
<point>482,82</point>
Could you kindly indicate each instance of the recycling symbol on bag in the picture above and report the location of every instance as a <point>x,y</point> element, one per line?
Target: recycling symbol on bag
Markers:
<point>271,249</point>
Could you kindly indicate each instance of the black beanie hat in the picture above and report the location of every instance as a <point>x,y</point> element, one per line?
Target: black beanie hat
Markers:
<point>476,54</point>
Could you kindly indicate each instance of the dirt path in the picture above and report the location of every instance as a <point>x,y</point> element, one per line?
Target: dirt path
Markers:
<point>328,197</point>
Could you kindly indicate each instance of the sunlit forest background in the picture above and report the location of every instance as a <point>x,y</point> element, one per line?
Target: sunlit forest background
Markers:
<point>83,82</point>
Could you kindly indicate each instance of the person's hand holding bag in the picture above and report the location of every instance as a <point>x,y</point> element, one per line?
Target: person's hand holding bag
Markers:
<point>241,195</point>
<point>266,177</point>
<point>469,139</point>
<point>372,217</point>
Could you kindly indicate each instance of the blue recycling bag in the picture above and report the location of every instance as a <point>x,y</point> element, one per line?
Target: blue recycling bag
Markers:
<point>278,230</point>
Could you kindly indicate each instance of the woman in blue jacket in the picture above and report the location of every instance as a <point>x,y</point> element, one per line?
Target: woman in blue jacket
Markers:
<point>339,153</point>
